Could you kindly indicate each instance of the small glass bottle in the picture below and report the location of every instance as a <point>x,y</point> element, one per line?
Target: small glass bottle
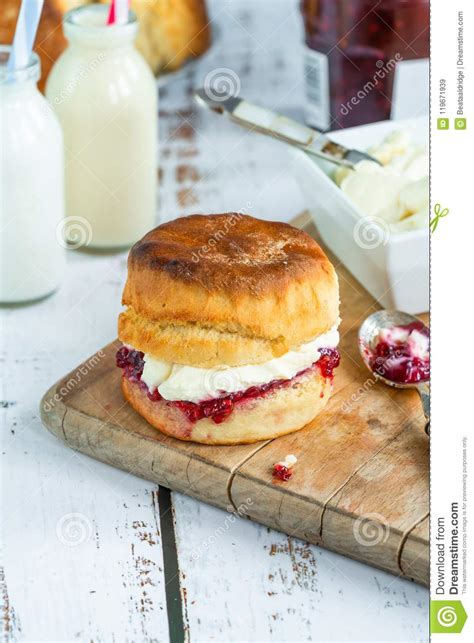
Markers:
<point>365,61</point>
<point>105,97</point>
<point>32,252</point>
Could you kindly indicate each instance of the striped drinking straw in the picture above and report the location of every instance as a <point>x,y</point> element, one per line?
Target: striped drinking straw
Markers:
<point>25,33</point>
<point>118,13</point>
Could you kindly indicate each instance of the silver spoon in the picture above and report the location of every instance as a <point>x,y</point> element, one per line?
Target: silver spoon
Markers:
<point>370,330</point>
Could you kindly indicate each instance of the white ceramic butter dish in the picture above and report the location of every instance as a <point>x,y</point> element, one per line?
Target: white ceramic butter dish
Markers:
<point>393,267</point>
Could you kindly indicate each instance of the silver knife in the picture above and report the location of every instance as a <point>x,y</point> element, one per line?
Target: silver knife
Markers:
<point>284,129</point>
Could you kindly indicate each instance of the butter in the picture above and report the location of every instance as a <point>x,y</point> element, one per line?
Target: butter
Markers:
<point>397,192</point>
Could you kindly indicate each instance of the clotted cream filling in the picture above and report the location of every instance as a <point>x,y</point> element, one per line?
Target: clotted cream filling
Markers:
<point>181,382</point>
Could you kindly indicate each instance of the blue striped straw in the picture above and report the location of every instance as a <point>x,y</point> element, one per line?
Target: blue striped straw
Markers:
<point>25,33</point>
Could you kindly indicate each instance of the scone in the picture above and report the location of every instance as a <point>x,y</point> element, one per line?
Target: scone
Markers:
<point>230,329</point>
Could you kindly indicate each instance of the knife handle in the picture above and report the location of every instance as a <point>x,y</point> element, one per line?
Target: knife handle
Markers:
<point>273,124</point>
<point>260,118</point>
<point>280,127</point>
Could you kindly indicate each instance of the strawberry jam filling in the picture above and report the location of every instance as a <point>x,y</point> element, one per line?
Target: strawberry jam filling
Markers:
<point>218,409</point>
<point>398,360</point>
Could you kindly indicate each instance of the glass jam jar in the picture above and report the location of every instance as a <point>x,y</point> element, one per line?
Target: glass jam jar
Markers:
<point>365,61</point>
<point>105,97</point>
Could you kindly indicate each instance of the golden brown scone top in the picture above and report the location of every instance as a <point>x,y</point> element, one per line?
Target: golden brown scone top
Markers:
<point>229,252</point>
<point>226,289</point>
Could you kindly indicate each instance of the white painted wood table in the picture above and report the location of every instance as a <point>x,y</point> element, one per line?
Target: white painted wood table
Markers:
<point>82,542</point>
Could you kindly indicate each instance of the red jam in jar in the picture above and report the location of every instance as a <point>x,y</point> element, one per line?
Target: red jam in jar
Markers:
<point>357,53</point>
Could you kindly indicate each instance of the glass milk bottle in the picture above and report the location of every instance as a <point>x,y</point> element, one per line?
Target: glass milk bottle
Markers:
<point>105,97</point>
<point>32,252</point>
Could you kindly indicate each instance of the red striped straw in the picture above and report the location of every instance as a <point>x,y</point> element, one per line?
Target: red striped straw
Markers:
<point>118,12</point>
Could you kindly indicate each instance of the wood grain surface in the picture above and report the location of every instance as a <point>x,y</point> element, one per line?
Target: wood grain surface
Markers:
<point>360,487</point>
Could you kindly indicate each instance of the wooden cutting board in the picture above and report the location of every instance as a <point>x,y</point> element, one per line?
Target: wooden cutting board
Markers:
<point>360,486</point>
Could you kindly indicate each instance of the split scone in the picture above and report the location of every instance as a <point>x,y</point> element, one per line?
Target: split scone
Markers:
<point>230,329</point>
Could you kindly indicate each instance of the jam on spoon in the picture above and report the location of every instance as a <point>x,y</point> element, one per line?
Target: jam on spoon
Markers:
<point>395,347</point>
<point>401,353</point>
